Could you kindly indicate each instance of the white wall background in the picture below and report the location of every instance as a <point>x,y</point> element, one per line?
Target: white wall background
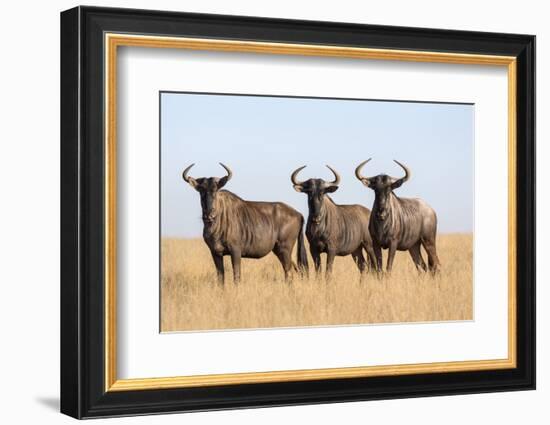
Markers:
<point>29,217</point>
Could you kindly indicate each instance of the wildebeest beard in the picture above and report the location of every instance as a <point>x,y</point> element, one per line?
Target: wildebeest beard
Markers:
<point>234,219</point>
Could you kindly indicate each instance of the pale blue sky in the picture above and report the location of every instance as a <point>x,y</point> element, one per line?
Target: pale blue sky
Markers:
<point>263,139</point>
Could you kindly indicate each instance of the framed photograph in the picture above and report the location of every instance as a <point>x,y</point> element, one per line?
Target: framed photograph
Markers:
<point>261,212</point>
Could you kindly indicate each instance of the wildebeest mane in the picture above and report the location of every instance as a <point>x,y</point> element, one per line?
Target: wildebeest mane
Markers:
<point>342,223</point>
<point>236,218</point>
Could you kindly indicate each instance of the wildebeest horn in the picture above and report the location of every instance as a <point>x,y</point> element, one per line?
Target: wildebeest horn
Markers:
<point>295,174</point>
<point>365,180</point>
<point>229,172</point>
<point>336,181</point>
<point>222,181</point>
<point>188,179</point>
<point>400,181</point>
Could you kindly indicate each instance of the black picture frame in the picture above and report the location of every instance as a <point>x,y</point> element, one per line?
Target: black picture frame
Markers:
<point>83,392</point>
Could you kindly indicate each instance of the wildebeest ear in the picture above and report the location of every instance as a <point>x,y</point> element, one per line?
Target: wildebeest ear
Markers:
<point>367,182</point>
<point>331,189</point>
<point>298,188</point>
<point>223,181</point>
<point>397,183</point>
<point>192,182</point>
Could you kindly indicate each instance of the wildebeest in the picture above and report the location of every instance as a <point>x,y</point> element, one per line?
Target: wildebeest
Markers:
<point>246,229</point>
<point>400,223</point>
<point>331,228</point>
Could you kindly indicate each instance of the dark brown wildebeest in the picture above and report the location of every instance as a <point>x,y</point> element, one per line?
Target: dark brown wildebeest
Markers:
<point>246,229</point>
<point>334,229</point>
<point>400,223</point>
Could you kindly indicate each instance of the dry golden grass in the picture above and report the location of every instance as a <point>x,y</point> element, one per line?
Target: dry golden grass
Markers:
<point>191,299</point>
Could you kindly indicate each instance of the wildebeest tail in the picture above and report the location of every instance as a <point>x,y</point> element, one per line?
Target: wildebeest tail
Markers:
<point>302,254</point>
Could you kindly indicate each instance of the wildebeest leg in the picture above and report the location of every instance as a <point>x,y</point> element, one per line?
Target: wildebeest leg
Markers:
<point>371,257</point>
<point>391,255</point>
<point>330,261</point>
<point>236,263</point>
<point>378,254</point>
<point>316,255</point>
<point>218,262</point>
<point>359,260</point>
<point>284,255</point>
<point>417,257</point>
<point>433,260</point>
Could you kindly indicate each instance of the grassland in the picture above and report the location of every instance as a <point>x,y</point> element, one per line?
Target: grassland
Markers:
<point>191,299</point>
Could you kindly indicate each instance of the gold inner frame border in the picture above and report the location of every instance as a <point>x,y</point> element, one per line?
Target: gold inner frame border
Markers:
<point>112,41</point>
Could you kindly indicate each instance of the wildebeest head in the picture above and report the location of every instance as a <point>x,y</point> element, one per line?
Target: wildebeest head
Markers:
<point>382,185</point>
<point>208,188</point>
<point>315,189</point>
